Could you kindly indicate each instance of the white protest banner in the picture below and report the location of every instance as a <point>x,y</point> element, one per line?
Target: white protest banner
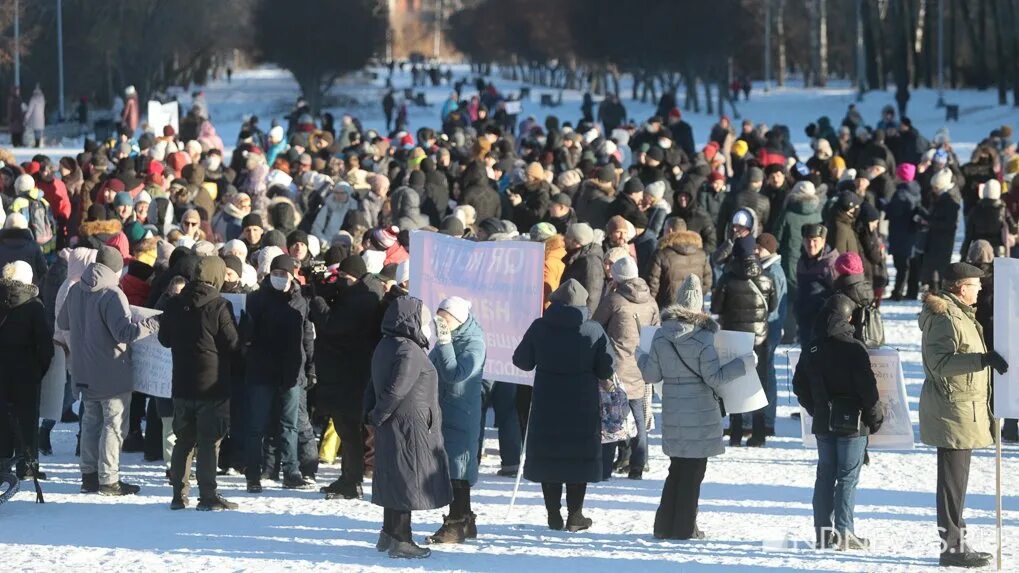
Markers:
<point>501,279</point>
<point>896,431</point>
<point>51,394</point>
<point>1006,337</point>
<point>162,115</point>
<point>151,362</point>
<point>238,302</point>
<point>744,394</point>
<point>514,107</point>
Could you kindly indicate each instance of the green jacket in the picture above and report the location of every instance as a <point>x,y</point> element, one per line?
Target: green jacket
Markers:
<point>955,403</point>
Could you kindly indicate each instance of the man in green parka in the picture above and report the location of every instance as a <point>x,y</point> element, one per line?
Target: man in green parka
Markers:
<point>955,403</point>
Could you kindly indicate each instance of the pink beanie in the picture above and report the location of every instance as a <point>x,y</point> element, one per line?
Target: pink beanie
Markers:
<point>906,171</point>
<point>849,264</point>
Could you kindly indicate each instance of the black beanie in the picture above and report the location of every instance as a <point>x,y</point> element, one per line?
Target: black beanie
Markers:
<point>96,212</point>
<point>297,237</point>
<point>354,266</point>
<point>606,174</point>
<point>251,220</point>
<point>283,263</point>
<point>234,263</point>
<point>335,254</point>
<point>633,185</point>
<point>275,238</point>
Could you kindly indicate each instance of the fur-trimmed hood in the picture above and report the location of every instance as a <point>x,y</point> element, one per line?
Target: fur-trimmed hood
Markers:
<point>935,305</point>
<point>803,203</point>
<point>555,246</point>
<point>95,228</point>
<point>683,242</point>
<point>677,313</point>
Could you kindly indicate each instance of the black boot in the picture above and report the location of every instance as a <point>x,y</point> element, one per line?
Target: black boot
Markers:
<point>555,521</point>
<point>341,489</point>
<point>471,531</point>
<point>45,447</point>
<point>970,559</point>
<point>254,486</point>
<point>118,489</point>
<point>384,543</point>
<point>29,470</point>
<point>577,522</point>
<point>90,483</point>
<point>297,482</point>
<point>407,550</point>
<point>452,531</point>
<point>180,501</point>
<point>214,503</point>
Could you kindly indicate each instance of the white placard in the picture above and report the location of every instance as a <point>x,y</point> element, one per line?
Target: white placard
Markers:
<point>745,393</point>
<point>151,362</point>
<point>162,115</point>
<point>514,107</point>
<point>1006,339</point>
<point>238,302</point>
<point>501,279</point>
<point>896,431</point>
<point>741,395</point>
<point>51,398</point>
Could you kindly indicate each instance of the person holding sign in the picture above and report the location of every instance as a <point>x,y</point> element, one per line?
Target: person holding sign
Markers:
<point>744,297</point>
<point>99,319</point>
<point>684,358</point>
<point>955,403</point>
<point>835,383</point>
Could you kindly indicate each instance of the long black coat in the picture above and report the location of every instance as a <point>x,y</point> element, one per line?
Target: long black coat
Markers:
<point>569,355</point>
<point>26,338</point>
<point>18,245</point>
<point>411,468</point>
<point>278,337</point>
<point>346,340</point>
<point>198,328</point>
<point>940,242</point>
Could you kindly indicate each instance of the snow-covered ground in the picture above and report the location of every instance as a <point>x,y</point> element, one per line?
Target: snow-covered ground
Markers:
<point>752,499</point>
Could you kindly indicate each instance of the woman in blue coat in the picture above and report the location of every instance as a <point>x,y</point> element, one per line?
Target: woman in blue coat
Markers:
<point>459,359</point>
<point>570,355</point>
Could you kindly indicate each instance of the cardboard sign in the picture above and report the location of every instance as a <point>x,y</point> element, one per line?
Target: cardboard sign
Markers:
<point>51,397</point>
<point>896,431</point>
<point>151,362</point>
<point>501,279</point>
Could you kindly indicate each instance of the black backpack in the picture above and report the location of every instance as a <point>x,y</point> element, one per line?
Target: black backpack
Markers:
<point>870,328</point>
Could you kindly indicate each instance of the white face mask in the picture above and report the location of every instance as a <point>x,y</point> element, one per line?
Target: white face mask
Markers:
<point>213,162</point>
<point>279,283</point>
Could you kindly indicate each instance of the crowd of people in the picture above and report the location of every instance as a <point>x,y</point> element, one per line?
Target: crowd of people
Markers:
<point>330,357</point>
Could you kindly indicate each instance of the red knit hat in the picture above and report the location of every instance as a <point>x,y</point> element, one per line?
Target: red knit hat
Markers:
<point>849,264</point>
<point>715,176</point>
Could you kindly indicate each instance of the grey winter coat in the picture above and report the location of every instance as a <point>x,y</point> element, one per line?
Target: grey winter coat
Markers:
<point>411,470</point>
<point>622,313</point>
<point>98,317</point>
<point>691,418</point>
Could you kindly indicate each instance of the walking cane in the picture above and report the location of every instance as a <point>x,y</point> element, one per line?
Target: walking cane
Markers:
<point>523,458</point>
<point>997,485</point>
<point>20,438</point>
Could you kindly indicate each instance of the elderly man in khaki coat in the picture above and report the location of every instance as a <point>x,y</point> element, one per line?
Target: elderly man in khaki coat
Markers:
<point>955,403</point>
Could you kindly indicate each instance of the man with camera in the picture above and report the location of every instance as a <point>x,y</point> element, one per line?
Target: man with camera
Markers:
<point>955,403</point>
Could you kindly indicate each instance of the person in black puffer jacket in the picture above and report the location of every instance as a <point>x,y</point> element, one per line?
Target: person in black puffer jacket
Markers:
<point>989,220</point>
<point>743,298</point>
<point>835,364</point>
<point>851,283</point>
<point>198,327</point>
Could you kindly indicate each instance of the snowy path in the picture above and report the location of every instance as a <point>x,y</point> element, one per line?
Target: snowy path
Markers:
<point>752,498</point>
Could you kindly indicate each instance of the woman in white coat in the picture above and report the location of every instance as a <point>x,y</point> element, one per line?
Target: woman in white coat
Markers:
<point>35,115</point>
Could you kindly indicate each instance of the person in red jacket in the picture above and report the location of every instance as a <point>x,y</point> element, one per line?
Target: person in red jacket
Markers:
<point>55,193</point>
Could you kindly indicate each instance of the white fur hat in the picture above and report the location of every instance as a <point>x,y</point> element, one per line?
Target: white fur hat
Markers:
<point>18,271</point>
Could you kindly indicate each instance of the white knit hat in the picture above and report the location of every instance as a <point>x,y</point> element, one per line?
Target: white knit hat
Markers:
<point>459,308</point>
<point>18,271</point>
<point>374,261</point>
<point>625,269</point>
<point>24,183</point>
<point>942,180</point>
<point>276,133</point>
